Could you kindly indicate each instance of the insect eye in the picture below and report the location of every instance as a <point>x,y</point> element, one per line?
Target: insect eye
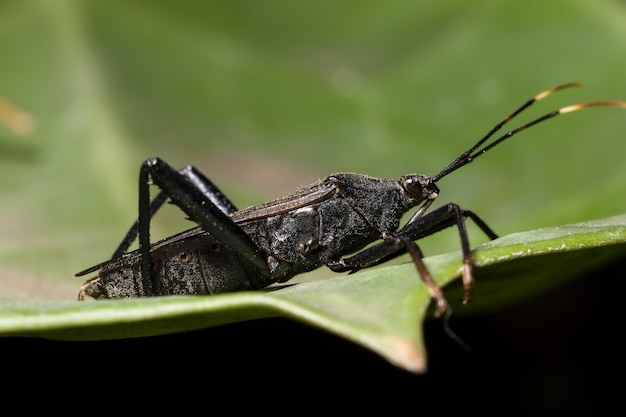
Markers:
<point>419,186</point>
<point>412,184</point>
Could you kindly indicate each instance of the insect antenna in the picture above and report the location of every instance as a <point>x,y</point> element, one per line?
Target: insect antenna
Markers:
<point>474,152</point>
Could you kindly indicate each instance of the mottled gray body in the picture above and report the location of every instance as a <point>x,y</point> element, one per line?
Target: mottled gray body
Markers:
<point>342,220</point>
<point>312,236</point>
<point>192,262</point>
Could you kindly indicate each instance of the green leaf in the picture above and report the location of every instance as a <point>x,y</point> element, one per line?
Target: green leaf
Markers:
<point>381,309</point>
<point>266,96</point>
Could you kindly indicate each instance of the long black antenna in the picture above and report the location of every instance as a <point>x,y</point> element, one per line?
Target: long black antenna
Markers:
<point>473,153</point>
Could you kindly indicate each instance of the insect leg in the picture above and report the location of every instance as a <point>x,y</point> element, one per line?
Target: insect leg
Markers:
<point>130,237</point>
<point>395,244</point>
<point>200,208</point>
<point>386,250</point>
<point>201,182</point>
<point>435,291</point>
<point>448,216</point>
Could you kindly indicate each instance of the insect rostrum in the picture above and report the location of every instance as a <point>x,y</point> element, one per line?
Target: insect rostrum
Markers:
<point>330,222</point>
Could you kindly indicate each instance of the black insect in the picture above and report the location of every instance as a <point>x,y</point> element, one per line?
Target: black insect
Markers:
<point>330,222</point>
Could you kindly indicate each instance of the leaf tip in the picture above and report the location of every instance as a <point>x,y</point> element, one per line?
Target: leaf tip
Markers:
<point>407,355</point>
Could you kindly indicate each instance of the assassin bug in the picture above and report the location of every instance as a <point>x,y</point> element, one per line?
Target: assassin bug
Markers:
<point>330,222</point>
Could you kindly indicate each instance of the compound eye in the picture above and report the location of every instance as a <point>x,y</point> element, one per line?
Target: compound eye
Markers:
<point>418,186</point>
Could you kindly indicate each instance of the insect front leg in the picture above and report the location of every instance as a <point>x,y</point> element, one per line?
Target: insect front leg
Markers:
<point>201,201</point>
<point>395,244</point>
<point>390,248</point>
<point>448,216</point>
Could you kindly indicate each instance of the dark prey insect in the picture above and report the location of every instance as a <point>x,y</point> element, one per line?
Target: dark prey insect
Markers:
<point>330,222</point>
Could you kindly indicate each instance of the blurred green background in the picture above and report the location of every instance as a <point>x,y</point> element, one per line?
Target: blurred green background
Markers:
<point>266,96</point>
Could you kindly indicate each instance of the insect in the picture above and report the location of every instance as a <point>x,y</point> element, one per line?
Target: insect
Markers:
<point>334,222</point>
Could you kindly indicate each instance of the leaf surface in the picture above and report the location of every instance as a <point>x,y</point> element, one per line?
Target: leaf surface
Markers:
<point>381,309</point>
